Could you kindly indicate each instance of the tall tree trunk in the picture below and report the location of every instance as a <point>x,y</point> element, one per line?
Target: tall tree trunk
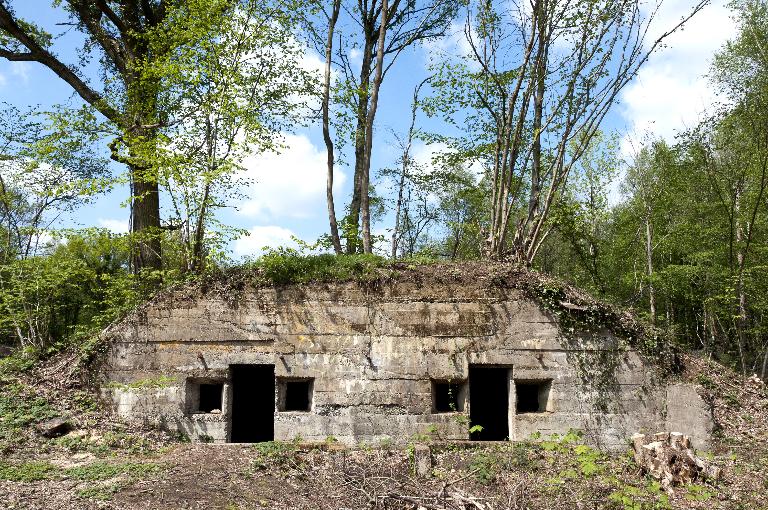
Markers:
<point>405,167</point>
<point>398,206</point>
<point>649,264</point>
<point>353,218</point>
<point>326,129</point>
<point>197,245</point>
<point>520,246</point>
<point>145,221</point>
<point>365,181</point>
<point>741,298</point>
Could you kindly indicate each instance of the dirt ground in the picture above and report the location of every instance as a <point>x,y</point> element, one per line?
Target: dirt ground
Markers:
<point>544,475</point>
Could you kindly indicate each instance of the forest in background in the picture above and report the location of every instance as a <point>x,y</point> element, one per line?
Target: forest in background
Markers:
<point>187,89</point>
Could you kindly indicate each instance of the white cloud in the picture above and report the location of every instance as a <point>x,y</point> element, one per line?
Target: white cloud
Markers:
<point>289,184</point>
<point>3,80</point>
<point>671,92</point>
<point>424,154</point>
<point>116,226</point>
<point>453,44</point>
<point>260,237</point>
<point>20,70</point>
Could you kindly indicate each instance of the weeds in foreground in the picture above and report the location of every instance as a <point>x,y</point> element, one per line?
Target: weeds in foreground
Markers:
<point>103,479</point>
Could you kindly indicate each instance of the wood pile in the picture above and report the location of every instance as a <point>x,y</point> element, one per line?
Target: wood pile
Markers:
<point>669,458</point>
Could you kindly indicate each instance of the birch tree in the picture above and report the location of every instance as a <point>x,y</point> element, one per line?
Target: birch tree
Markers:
<point>538,81</point>
<point>380,31</point>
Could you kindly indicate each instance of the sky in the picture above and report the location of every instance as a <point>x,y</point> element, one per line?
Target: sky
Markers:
<point>285,194</point>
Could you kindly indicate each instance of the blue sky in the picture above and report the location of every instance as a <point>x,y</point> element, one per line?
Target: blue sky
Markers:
<point>287,194</point>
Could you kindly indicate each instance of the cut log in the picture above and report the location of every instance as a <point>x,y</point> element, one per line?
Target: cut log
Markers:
<point>668,457</point>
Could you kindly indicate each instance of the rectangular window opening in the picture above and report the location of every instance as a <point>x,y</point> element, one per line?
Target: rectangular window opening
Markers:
<point>447,396</point>
<point>532,396</point>
<point>296,395</point>
<point>210,397</point>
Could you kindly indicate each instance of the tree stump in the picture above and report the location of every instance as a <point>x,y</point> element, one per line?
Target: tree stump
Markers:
<point>669,458</point>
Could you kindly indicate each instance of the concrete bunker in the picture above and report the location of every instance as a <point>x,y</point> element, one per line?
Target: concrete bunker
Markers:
<point>365,363</point>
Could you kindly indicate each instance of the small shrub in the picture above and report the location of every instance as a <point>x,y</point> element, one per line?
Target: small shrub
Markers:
<point>272,452</point>
<point>485,466</point>
<point>697,493</point>
<point>521,455</point>
<point>101,492</point>
<point>19,361</point>
<point>18,409</point>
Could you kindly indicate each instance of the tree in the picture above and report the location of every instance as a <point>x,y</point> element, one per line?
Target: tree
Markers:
<point>383,32</point>
<point>581,217</point>
<point>644,184</point>
<point>46,169</point>
<point>232,84</point>
<point>404,175</point>
<point>115,31</point>
<point>531,95</point>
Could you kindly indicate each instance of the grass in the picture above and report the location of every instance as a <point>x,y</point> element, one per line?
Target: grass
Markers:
<point>102,479</point>
<point>287,266</point>
<point>162,381</point>
<point>17,409</point>
<point>27,471</point>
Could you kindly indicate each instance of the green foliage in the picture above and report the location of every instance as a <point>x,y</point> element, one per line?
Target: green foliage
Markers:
<point>162,381</point>
<point>628,497</point>
<point>19,360</point>
<point>65,297</point>
<point>99,492</point>
<point>696,492</point>
<point>94,472</point>
<point>285,265</point>
<point>19,408</point>
<point>230,83</point>
<point>475,428</point>
<point>27,471</point>
<point>273,453</point>
<point>486,466</point>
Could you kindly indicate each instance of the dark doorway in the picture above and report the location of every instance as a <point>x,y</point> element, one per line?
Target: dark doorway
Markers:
<point>253,403</point>
<point>489,402</point>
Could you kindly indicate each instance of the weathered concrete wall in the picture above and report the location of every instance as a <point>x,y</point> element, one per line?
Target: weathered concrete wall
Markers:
<point>373,353</point>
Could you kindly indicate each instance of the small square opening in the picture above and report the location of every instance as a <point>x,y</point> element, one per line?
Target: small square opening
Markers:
<point>447,396</point>
<point>210,395</point>
<point>532,396</point>
<point>297,395</point>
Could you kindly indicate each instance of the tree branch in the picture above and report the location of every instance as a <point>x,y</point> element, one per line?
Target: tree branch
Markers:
<point>39,54</point>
